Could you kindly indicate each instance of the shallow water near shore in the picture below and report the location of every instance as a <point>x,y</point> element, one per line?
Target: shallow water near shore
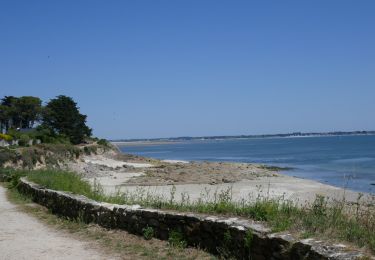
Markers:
<point>342,161</point>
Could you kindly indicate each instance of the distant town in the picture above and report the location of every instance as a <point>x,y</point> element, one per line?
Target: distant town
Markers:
<point>295,134</point>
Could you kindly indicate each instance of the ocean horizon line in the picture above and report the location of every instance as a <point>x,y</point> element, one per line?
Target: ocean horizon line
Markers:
<point>225,137</point>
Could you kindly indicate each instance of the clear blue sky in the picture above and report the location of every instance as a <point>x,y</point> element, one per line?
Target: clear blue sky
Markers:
<point>189,68</point>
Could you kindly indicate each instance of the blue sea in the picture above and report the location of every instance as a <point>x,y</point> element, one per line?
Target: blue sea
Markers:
<point>343,161</point>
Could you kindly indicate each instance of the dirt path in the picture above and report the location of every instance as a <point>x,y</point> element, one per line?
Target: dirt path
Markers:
<point>24,237</point>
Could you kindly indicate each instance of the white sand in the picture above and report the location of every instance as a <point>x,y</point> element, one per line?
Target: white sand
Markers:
<point>289,188</point>
<point>100,160</point>
<point>111,182</point>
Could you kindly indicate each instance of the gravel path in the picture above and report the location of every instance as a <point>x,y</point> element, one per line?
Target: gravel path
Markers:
<point>24,237</point>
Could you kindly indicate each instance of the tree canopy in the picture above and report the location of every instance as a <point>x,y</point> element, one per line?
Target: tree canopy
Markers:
<point>62,116</point>
<point>28,110</point>
<point>20,112</point>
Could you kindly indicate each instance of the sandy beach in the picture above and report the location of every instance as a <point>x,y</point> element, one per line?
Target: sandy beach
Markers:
<point>128,173</point>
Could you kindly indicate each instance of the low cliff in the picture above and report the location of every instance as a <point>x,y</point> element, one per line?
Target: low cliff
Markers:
<point>48,155</point>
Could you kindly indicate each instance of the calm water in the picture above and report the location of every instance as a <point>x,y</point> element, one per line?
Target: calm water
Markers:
<point>341,161</point>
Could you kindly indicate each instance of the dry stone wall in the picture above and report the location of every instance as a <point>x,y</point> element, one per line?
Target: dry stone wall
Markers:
<point>239,238</point>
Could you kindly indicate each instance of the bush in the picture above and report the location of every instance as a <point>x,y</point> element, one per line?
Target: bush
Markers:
<point>148,233</point>
<point>48,137</point>
<point>14,133</point>
<point>176,239</point>
<point>30,156</point>
<point>6,137</point>
<point>13,175</point>
<point>103,142</point>
<point>7,155</point>
<point>92,149</point>
<point>24,140</point>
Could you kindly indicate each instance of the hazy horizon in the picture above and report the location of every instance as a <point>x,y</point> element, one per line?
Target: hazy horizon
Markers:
<point>236,135</point>
<point>197,68</point>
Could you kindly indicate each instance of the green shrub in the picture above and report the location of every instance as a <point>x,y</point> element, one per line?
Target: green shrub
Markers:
<point>227,238</point>
<point>92,149</point>
<point>248,239</point>
<point>103,142</point>
<point>23,140</point>
<point>225,249</point>
<point>14,133</point>
<point>148,233</point>
<point>176,239</point>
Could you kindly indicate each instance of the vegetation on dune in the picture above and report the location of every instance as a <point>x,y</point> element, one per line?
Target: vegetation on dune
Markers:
<point>49,155</point>
<point>323,218</point>
<point>7,155</point>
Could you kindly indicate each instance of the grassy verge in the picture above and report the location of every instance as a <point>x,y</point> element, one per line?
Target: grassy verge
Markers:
<point>330,219</point>
<point>115,243</point>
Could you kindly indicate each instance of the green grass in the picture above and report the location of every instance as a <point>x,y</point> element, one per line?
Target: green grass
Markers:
<point>61,180</point>
<point>176,239</point>
<point>323,218</point>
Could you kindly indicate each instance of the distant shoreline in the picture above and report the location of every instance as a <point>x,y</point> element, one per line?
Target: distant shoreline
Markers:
<point>145,142</point>
<point>157,141</point>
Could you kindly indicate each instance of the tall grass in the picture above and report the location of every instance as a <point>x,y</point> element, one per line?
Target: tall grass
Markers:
<point>324,218</point>
<point>61,180</point>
